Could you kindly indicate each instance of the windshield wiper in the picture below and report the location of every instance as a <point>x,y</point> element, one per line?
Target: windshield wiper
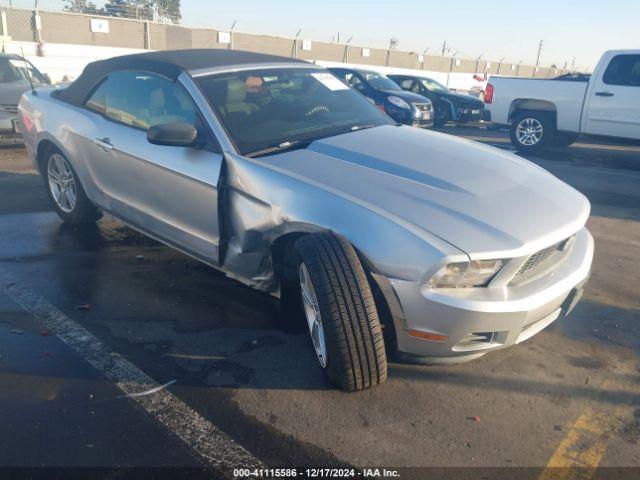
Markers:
<point>297,144</point>
<point>355,128</point>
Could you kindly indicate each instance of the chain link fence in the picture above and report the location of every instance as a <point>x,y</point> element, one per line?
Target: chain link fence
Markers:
<point>169,37</point>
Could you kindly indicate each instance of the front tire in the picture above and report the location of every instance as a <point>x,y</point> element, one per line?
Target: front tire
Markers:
<point>341,313</point>
<point>65,191</point>
<point>442,115</point>
<point>532,131</point>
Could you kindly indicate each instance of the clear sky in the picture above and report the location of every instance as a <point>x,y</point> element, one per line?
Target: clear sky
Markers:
<point>493,28</point>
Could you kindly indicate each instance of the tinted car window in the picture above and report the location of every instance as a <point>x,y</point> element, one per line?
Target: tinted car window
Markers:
<point>433,86</point>
<point>19,70</point>
<point>142,100</point>
<point>379,82</point>
<point>623,70</point>
<point>264,109</point>
<point>406,84</point>
<point>352,79</point>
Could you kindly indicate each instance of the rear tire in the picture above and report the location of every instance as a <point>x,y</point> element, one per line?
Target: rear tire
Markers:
<point>354,355</point>
<point>532,131</point>
<point>65,191</point>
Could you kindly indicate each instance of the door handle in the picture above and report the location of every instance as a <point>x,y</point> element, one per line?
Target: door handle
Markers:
<point>604,94</point>
<point>104,144</point>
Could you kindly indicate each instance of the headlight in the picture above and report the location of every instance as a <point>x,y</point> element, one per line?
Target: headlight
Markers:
<point>398,102</point>
<point>477,273</point>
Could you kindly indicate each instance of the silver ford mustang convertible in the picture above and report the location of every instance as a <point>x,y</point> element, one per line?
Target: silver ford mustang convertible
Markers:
<point>386,239</point>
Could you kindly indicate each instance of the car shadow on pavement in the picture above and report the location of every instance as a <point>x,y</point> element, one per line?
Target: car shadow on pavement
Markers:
<point>22,193</point>
<point>178,319</point>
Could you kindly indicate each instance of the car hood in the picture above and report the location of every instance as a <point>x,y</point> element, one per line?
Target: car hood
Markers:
<point>464,100</point>
<point>407,96</point>
<point>480,199</point>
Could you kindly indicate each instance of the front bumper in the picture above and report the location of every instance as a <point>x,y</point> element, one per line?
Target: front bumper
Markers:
<point>422,123</point>
<point>413,117</point>
<point>464,115</point>
<point>476,321</point>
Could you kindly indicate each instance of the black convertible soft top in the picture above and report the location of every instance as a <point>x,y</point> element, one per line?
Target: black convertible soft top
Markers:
<point>169,63</point>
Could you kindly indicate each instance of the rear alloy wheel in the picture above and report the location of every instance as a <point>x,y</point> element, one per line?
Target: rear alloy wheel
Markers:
<point>532,131</point>
<point>62,183</point>
<point>340,312</point>
<point>65,192</point>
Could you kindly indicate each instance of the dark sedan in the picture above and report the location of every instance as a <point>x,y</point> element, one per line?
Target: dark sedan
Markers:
<point>404,107</point>
<point>448,106</point>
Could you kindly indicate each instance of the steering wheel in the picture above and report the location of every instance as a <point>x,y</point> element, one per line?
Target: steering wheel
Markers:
<point>317,109</point>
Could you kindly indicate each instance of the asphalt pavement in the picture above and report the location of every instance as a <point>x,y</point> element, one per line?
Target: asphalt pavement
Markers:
<point>116,351</point>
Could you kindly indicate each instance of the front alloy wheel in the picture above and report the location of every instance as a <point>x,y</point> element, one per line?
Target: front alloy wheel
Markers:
<point>313,315</point>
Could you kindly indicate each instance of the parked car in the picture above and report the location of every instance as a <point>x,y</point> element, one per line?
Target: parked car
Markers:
<point>542,113</point>
<point>378,237</point>
<point>404,107</point>
<point>14,81</point>
<point>448,106</point>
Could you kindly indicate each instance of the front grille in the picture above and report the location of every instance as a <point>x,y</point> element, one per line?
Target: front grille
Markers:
<point>423,107</point>
<point>541,261</point>
<point>10,108</point>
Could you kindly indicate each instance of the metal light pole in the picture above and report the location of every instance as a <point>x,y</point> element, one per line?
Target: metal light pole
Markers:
<point>518,68</point>
<point>345,55</point>
<point>500,65</point>
<point>233,25</point>
<point>538,58</point>
<point>424,53</point>
<point>478,62</point>
<point>451,67</point>
<point>294,47</point>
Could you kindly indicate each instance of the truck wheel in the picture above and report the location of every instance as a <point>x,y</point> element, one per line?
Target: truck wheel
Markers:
<point>65,191</point>
<point>532,131</point>
<point>340,312</point>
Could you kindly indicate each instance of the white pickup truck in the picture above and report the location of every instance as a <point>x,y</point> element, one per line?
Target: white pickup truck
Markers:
<point>543,113</point>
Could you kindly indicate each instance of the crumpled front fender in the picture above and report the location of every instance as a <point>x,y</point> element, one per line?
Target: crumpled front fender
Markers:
<point>260,203</point>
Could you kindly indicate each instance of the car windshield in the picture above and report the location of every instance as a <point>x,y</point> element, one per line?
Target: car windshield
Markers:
<point>433,86</point>
<point>273,109</point>
<point>379,82</point>
<point>16,70</point>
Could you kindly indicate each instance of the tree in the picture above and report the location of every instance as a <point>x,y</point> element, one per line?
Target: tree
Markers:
<point>169,10</point>
<point>163,10</point>
<point>81,6</point>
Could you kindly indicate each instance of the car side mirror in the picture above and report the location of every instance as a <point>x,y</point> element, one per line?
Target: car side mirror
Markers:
<point>178,134</point>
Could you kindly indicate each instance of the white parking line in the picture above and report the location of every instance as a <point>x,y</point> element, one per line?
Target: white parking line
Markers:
<point>216,448</point>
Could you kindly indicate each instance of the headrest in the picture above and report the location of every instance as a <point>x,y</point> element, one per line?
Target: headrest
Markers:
<point>236,91</point>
